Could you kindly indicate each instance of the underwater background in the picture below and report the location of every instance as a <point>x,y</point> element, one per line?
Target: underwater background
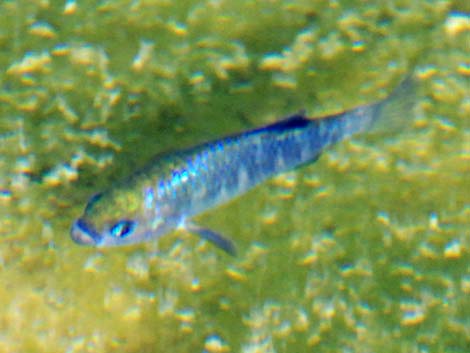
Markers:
<point>366,250</point>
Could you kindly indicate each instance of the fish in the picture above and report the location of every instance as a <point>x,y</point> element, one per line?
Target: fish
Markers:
<point>173,187</point>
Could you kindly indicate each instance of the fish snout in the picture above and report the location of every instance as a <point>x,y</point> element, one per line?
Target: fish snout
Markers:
<point>83,233</point>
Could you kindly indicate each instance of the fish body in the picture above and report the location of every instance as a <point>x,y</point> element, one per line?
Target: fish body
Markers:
<point>174,187</point>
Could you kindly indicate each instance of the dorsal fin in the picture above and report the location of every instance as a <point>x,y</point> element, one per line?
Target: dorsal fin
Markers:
<point>292,122</point>
<point>297,121</point>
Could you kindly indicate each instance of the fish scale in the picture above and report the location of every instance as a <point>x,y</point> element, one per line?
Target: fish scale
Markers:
<point>176,186</point>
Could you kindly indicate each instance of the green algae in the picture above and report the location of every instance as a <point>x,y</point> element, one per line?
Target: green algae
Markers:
<point>366,250</point>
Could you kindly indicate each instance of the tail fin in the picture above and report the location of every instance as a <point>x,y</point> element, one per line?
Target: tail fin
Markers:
<point>395,112</point>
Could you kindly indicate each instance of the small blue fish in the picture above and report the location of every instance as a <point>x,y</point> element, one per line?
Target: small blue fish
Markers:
<point>174,187</point>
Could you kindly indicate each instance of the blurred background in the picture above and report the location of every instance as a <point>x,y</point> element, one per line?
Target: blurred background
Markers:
<point>366,250</point>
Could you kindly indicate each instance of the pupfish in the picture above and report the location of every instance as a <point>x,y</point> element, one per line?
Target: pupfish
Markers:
<point>174,187</point>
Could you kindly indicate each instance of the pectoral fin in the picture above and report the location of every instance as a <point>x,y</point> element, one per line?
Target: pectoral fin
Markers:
<point>213,237</point>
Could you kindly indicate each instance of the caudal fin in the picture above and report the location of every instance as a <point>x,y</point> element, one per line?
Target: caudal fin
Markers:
<point>395,112</point>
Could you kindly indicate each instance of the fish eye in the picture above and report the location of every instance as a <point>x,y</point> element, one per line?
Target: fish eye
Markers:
<point>122,228</point>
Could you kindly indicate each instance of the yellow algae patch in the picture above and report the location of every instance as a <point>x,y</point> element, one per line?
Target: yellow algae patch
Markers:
<point>144,55</point>
<point>42,29</point>
<point>100,138</point>
<point>310,258</point>
<point>269,216</point>
<point>272,62</point>
<point>215,344</point>
<point>383,218</point>
<point>138,267</point>
<point>67,112</point>
<point>457,23</point>
<point>286,81</point>
<point>434,222</point>
<point>93,264</point>
<point>412,313</point>
<point>464,69</point>
<point>30,104</point>
<point>358,46</point>
<point>236,274</point>
<point>187,318</point>
<point>453,250</point>
<point>6,197</point>
<point>287,180</point>
<point>445,125</point>
<point>197,78</point>
<point>195,285</point>
<point>331,46</point>
<point>70,7</point>
<point>312,181</point>
<point>177,28</point>
<point>426,251</point>
<point>301,323</point>
<point>224,304</point>
<point>323,192</point>
<point>61,174</point>
<point>134,313</point>
<point>239,61</point>
<point>255,254</point>
<point>314,340</point>
<point>186,315</point>
<point>61,50</point>
<point>87,55</point>
<point>31,62</point>
<point>360,270</point>
<point>426,72</point>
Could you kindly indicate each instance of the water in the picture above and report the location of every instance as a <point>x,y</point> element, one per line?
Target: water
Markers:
<point>365,250</point>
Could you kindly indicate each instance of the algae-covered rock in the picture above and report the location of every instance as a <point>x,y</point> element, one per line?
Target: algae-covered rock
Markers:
<point>366,250</point>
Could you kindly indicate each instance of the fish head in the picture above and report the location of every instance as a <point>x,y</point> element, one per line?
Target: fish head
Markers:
<point>117,217</point>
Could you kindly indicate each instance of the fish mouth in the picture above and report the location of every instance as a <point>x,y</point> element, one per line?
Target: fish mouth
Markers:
<point>83,233</point>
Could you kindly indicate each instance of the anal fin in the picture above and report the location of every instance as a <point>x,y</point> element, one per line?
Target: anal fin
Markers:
<point>215,238</point>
